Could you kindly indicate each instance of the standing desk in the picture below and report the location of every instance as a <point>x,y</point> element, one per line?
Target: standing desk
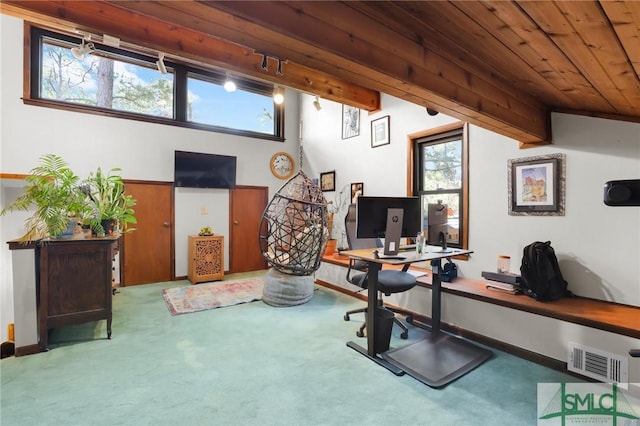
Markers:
<point>438,358</point>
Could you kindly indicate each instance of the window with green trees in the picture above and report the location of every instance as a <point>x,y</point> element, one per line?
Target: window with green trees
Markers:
<point>441,176</point>
<point>129,85</point>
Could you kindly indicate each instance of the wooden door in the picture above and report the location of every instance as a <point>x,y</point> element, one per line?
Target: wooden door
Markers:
<point>147,254</point>
<point>246,206</point>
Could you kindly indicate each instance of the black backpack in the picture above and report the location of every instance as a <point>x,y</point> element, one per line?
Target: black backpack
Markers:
<point>540,274</point>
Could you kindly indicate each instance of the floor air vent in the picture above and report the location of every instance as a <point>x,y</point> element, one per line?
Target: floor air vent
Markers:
<point>597,364</point>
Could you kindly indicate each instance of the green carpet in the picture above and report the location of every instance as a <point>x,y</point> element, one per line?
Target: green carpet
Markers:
<point>249,364</point>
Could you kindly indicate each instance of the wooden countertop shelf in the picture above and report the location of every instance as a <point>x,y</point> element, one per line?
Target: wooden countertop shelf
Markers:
<point>608,316</point>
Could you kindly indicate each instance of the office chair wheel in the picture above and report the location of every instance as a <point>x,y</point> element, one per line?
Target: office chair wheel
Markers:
<point>404,335</point>
<point>360,333</point>
<point>409,319</point>
<point>346,317</point>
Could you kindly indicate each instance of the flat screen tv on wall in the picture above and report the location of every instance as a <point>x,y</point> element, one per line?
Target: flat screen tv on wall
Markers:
<point>199,170</point>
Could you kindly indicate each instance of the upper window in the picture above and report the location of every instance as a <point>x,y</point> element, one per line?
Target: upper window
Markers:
<point>209,103</point>
<point>101,81</point>
<point>129,85</point>
<point>441,175</point>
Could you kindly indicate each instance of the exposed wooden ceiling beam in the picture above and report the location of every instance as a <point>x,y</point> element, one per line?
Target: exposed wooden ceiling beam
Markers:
<point>338,39</point>
<point>195,46</point>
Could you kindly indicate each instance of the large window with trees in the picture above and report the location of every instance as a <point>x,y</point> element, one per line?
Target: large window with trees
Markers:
<point>440,175</point>
<point>128,84</point>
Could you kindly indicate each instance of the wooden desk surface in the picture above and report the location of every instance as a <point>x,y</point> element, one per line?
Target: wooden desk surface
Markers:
<point>404,257</point>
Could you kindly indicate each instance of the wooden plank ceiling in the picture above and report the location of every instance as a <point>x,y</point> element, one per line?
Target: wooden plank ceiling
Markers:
<point>502,65</point>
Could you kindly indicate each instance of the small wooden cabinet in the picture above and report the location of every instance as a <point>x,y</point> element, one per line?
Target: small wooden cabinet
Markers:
<point>206,258</point>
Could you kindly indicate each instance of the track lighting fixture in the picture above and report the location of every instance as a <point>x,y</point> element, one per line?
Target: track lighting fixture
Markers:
<point>229,84</point>
<point>160,64</point>
<point>278,95</point>
<point>316,103</point>
<point>265,62</point>
<point>431,112</point>
<point>79,51</point>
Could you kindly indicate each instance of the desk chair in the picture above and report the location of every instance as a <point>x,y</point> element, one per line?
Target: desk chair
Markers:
<point>389,281</point>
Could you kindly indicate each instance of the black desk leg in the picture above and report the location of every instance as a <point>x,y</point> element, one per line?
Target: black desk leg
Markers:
<point>436,295</point>
<point>439,358</point>
<point>436,300</point>
<point>372,306</point>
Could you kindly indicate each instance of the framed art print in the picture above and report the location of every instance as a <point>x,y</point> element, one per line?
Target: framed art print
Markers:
<point>537,185</point>
<point>380,132</point>
<point>357,189</point>
<point>350,121</point>
<point>328,181</point>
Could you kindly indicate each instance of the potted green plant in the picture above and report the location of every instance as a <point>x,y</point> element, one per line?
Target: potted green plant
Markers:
<point>53,189</point>
<point>112,207</point>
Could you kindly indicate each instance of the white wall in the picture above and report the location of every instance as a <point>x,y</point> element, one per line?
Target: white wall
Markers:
<point>143,151</point>
<point>382,169</point>
<point>598,247</point>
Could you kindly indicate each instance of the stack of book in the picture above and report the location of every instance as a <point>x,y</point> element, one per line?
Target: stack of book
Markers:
<point>506,282</point>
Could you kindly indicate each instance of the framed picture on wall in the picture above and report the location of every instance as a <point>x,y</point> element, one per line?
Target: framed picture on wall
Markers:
<point>357,189</point>
<point>350,121</point>
<point>537,185</point>
<point>380,132</point>
<point>328,181</point>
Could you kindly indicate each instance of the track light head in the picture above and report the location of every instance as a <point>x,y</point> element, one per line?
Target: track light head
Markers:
<point>278,95</point>
<point>79,51</point>
<point>160,64</point>
<point>431,112</point>
<point>316,104</point>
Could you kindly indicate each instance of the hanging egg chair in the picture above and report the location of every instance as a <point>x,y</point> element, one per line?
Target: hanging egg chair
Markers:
<point>293,229</point>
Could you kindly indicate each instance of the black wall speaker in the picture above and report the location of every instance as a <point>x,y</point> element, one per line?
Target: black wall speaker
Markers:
<point>622,192</point>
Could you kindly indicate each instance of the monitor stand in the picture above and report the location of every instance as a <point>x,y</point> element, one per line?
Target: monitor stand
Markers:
<point>443,243</point>
<point>393,232</point>
<point>438,237</point>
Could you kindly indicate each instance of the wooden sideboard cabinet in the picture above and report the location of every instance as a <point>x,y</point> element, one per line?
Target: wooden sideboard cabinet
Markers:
<point>64,282</point>
<point>74,283</point>
<point>206,258</point>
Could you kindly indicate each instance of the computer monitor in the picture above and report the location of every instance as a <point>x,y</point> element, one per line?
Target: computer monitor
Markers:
<point>390,218</point>
<point>438,228</point>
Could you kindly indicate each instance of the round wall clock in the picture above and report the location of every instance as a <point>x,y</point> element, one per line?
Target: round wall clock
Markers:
<point>282,165</point>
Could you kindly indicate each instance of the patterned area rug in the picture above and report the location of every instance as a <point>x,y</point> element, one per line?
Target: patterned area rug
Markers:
<point>201,297</point>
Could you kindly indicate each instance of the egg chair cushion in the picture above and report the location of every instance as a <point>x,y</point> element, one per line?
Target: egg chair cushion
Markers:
<point>282,290</point>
